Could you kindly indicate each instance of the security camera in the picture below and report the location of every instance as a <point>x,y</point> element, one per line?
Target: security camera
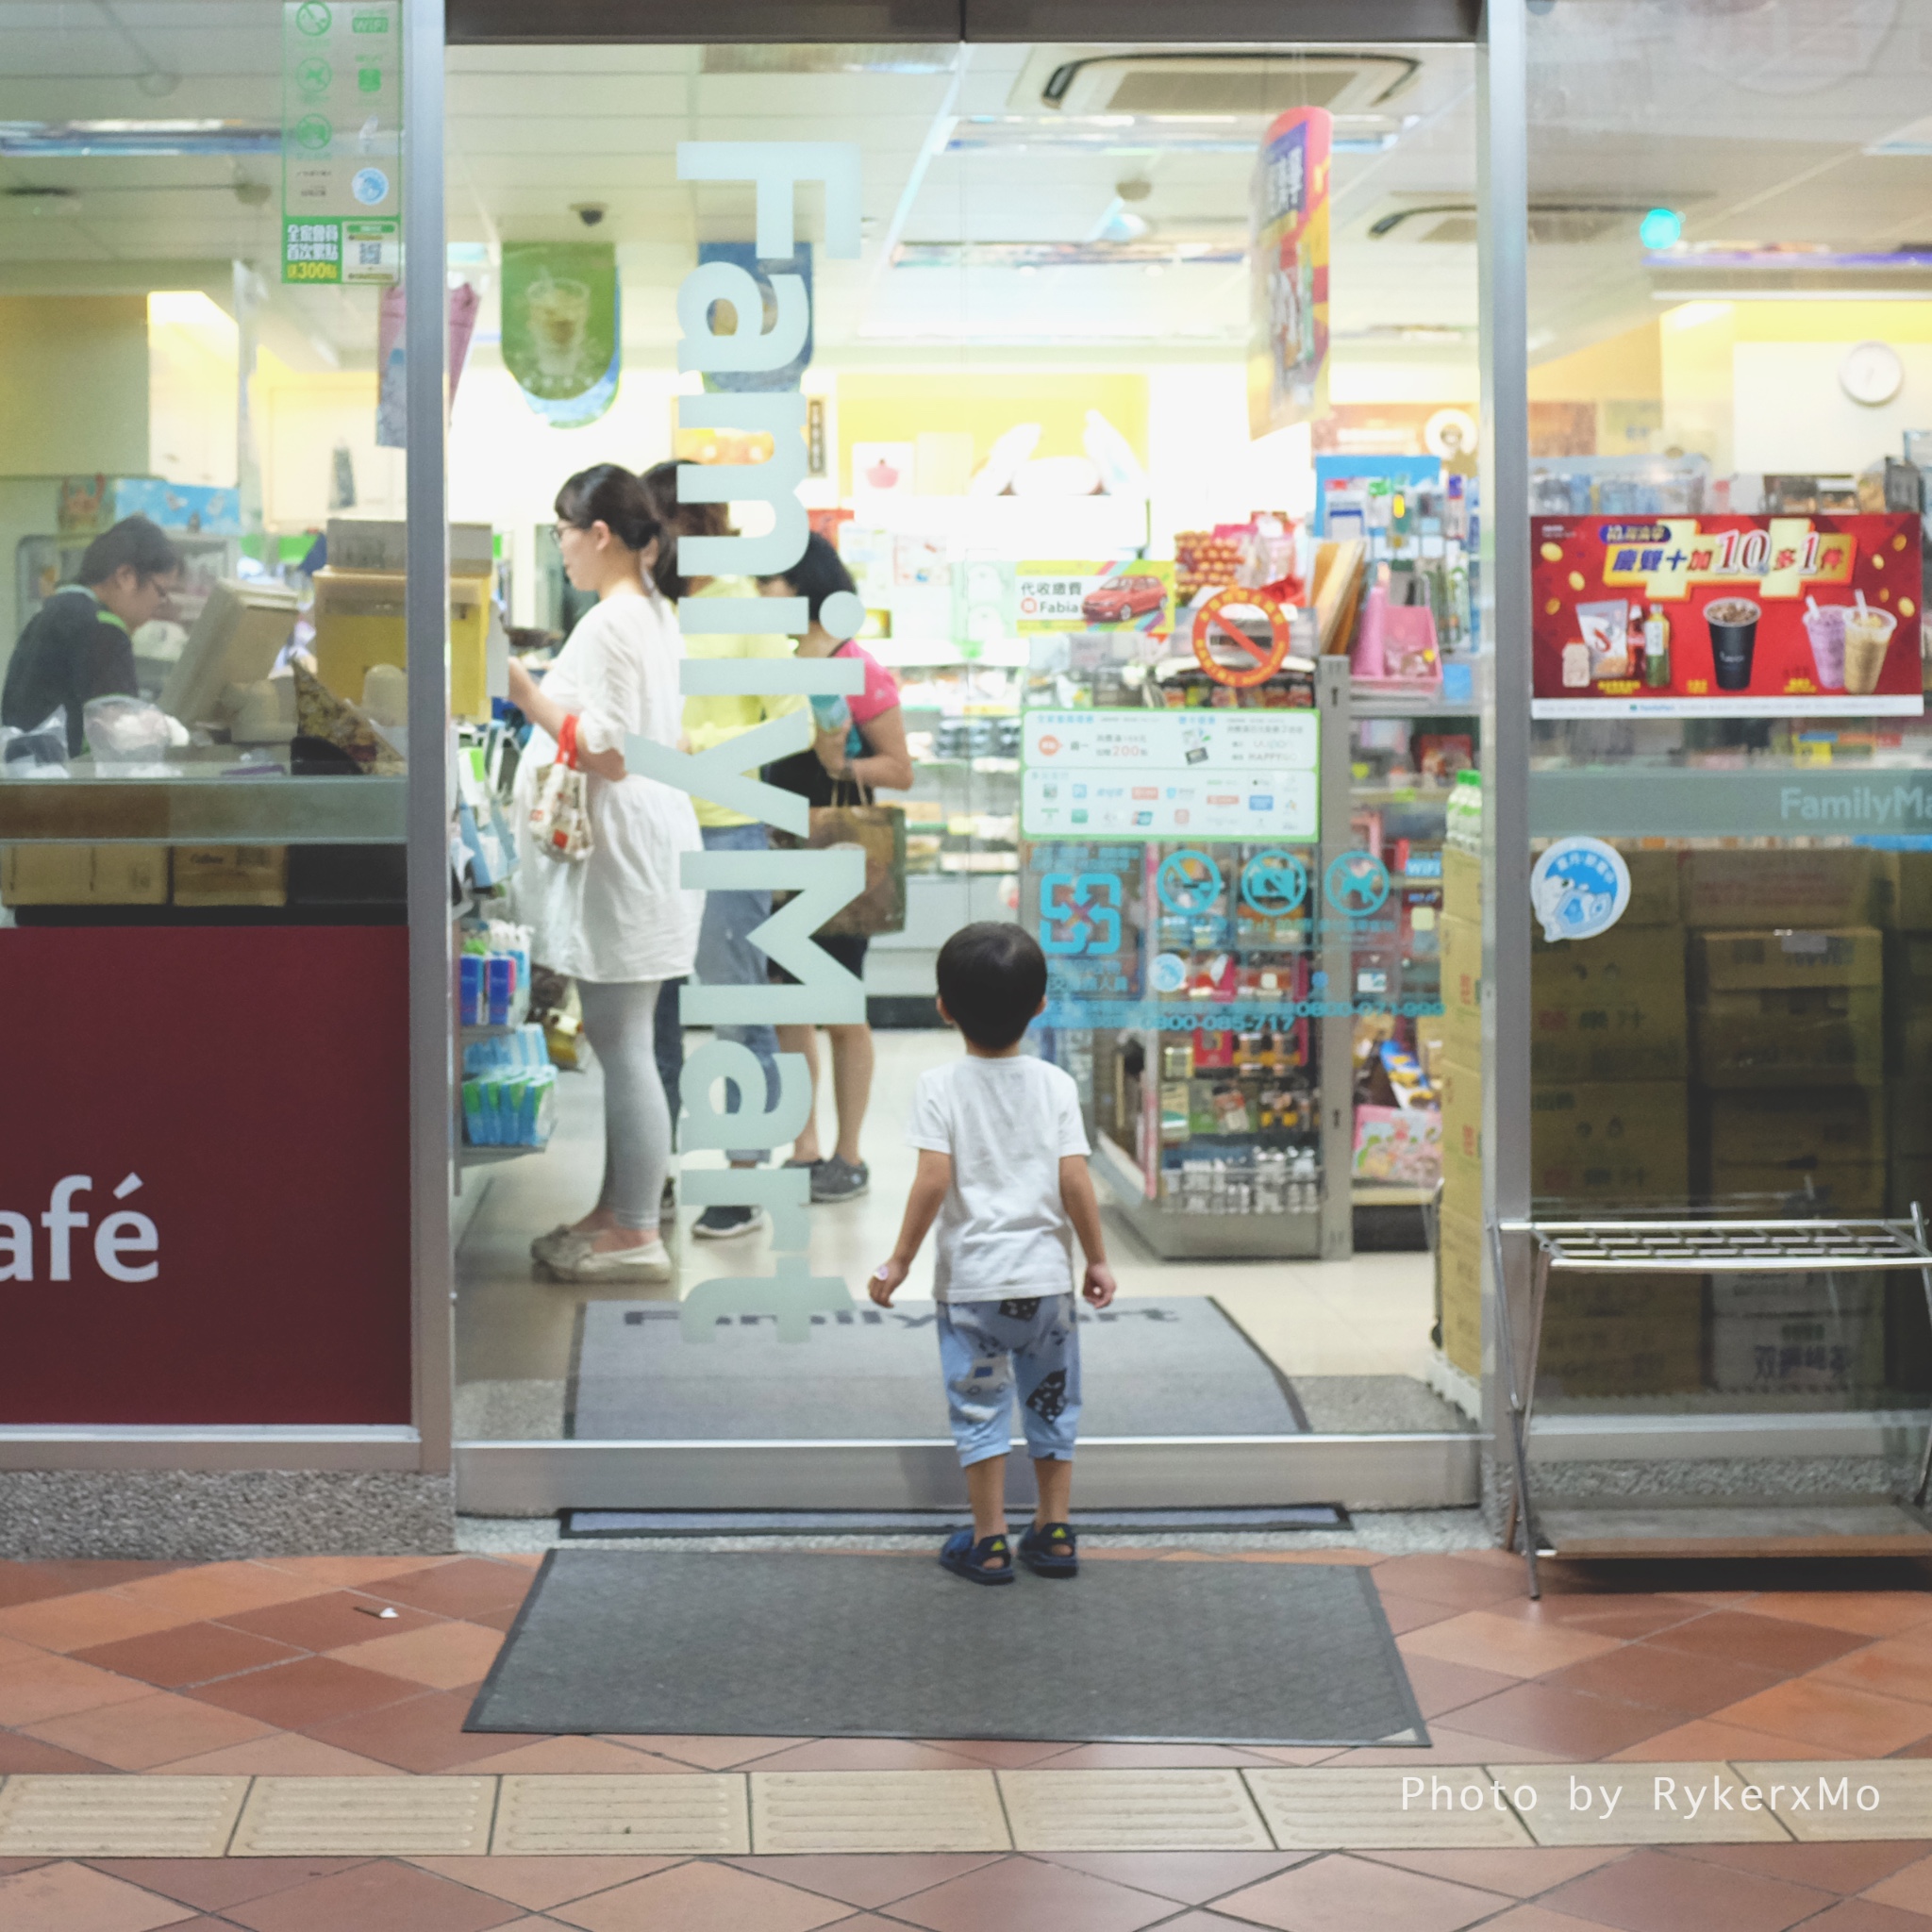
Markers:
<point>589,212</point>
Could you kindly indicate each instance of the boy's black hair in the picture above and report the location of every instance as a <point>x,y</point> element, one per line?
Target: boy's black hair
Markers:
<point>816,576</point>
<point>992,977</point>
<point>135,542</point>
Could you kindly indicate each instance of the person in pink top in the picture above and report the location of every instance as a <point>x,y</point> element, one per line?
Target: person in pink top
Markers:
<point>842,766</point>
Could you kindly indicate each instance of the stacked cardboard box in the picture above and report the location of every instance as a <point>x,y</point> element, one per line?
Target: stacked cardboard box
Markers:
<point>1791,1062</point>
<point>1908,1062</point>
<point>1609,1127</point>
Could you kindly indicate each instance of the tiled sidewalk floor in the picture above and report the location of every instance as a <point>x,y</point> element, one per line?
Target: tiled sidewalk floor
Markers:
<point>286,1669</point>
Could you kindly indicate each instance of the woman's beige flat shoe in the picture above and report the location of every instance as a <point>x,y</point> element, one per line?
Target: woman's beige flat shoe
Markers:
<point>651,1262</point>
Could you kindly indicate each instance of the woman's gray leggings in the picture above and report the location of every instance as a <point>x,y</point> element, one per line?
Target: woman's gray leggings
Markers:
<point>620,1017</point>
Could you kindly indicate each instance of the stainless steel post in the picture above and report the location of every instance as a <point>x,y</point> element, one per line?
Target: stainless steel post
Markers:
<point>1503,246</point>
<point>427,610</point>
<point>1335,962</point>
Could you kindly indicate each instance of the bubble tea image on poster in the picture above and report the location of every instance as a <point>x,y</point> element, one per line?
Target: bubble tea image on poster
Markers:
<point>1726,616</point>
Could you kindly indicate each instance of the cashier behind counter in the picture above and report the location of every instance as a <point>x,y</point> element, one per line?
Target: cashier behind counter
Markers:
<point>80,644</point>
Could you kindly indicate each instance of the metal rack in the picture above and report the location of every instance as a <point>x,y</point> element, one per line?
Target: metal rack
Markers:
<point>1690,1247</point>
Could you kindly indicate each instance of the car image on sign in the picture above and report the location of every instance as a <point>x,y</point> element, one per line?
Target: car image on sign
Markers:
<point>1122,598</point>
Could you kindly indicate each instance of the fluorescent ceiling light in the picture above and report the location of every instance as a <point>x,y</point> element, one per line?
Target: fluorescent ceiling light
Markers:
<point>138,137</point>
<point>1028,256</point>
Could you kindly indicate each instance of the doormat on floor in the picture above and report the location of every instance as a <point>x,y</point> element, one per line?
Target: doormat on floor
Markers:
<point>796,1643</point>
<point>1150,1367</point>
<point>590,1525</point>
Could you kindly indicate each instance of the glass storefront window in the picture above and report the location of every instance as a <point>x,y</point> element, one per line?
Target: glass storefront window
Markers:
<point>1729,378</point>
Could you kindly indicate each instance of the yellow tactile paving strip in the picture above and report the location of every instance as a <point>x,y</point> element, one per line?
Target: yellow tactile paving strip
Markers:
<point>1430,1806</point>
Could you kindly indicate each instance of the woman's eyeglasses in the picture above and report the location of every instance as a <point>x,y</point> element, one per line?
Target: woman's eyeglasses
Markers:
<point>556,531</point>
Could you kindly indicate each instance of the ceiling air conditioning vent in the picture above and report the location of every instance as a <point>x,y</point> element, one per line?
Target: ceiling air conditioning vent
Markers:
<point>1552,224</point>
<point>1221,80</point>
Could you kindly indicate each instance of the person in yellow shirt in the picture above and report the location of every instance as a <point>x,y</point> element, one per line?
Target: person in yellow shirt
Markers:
<point>725,953</point>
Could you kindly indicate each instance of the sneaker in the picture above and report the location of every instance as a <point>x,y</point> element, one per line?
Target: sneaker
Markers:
<point>1049,1549</point>
<point>725,1223</point>
<point>552,1248</point>
<point>651,1262</point>
<point>967,1559</point>
<point>840,1180</point>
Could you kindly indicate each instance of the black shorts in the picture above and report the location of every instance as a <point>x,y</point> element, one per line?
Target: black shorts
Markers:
<point>848,948</point>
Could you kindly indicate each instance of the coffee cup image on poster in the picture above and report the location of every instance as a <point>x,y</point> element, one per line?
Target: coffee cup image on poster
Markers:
<point>1725,616</point>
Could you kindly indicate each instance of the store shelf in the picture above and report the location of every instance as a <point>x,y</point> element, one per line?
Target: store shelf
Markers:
<point>1389,1195</point>
<point>1773,801</point>
<point>206,810</point>
<point>490,1157</point>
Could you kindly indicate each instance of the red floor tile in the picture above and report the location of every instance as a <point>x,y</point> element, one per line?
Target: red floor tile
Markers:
<point>1521,1873</point>
<point>702,1898</point>
<point>1341,1893</point>
<point>1842,1868</point>
<point>310,1692</point>
<point>1548,1719</point>
<point>1909,1888</point>
<point>1652,1891</point>
<point>1873,1612</point>
<point>24,1583</point>
<point>1028,1893</point>
<point>1865,1915</point>
<point>874,1879</point>
<point>53,1686</point>
<point>1833,1715</point>
<point>1769,1642</point>
<point>1629,1617</point>
<point>19,1753</point>
<point>1463,1580</point>
<point>537,1884</point>
<point>457,1590</point>
<point>146,1731</point>
<point>1189,1878</point>
<point>1667,1680</point>
<point>387,1896</point>
<point>1894,1669</point>
<point>62,1897</point>
<point>331,1620</point>
<point>189,1654</point>
<point>1441,1687</point>
<point>212,1885</point>
<point>423,1733</point>
<point>1705,1739</point>
<point>1414,1612</point>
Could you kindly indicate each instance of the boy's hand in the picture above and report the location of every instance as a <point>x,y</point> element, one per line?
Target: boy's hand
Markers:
<point>1097,1286</point>
<point>885,1279</point>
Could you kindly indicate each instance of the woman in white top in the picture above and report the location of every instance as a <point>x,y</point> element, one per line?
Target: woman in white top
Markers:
<point>619,921</point>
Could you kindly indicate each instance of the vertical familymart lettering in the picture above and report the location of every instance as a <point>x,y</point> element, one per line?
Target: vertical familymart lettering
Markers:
<point>826,993</point>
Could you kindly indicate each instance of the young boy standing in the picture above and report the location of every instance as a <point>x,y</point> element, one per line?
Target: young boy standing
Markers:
<point>1002,1167</point>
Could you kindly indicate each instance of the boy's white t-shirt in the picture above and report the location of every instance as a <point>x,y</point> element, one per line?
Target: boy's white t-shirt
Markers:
<point>1002,1232</point>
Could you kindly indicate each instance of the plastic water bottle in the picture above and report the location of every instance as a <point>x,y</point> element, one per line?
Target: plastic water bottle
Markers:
<point>831,713</point>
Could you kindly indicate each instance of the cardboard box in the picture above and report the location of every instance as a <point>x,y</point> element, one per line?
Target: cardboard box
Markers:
<point>1792,1036</point>
<point>1623,1141</point>
<point>1851,1188</point>
<point>1462,884</point>
<point>1746,961</point>
<point>1796,1127</point>
<point>231,876</point>
<point>1824,886</point>
<point>1461,949</point>
<point>1460,1277</point>
<point>1622,1335</point>
<point>1655,897</point>
<point>83,875</point>
<point>1609,1009</point>
<point>1908,1002</point>
<point>1797,1354</point>
<point>1460,1091</point>
<point>1906,889</point>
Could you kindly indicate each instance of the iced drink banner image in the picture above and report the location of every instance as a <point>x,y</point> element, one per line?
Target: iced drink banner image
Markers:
<point>1726,616</point>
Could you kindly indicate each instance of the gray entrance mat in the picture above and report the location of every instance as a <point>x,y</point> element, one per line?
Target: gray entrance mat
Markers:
<point>582,1524</point>
<point>1148,1368</point>
<point>800,1644</point>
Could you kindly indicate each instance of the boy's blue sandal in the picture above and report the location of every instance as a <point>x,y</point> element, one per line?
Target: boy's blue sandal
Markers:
<point>967,1559</point>
<point>1049,1549</point>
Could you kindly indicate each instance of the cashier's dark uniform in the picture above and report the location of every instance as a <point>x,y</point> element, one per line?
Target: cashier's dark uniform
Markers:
<point>73,650</point>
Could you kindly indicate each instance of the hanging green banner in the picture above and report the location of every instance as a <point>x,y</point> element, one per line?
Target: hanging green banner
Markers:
<point>560,335</point>
<point>342,141</point>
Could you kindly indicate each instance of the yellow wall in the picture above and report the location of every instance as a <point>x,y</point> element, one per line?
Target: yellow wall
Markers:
<point>192,347</point>
<point>72,385</point>
<point>300,419</point>
<point>896,408</point>
<point>1625,367</point>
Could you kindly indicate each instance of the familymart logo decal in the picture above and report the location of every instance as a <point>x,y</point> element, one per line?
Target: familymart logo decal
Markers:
<point>826,994</point>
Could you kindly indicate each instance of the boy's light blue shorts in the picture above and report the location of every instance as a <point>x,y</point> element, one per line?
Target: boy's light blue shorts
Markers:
<point>985,1348</point>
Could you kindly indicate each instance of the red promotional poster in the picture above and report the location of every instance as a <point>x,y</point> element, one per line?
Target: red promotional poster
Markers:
<point>1725,616</point>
